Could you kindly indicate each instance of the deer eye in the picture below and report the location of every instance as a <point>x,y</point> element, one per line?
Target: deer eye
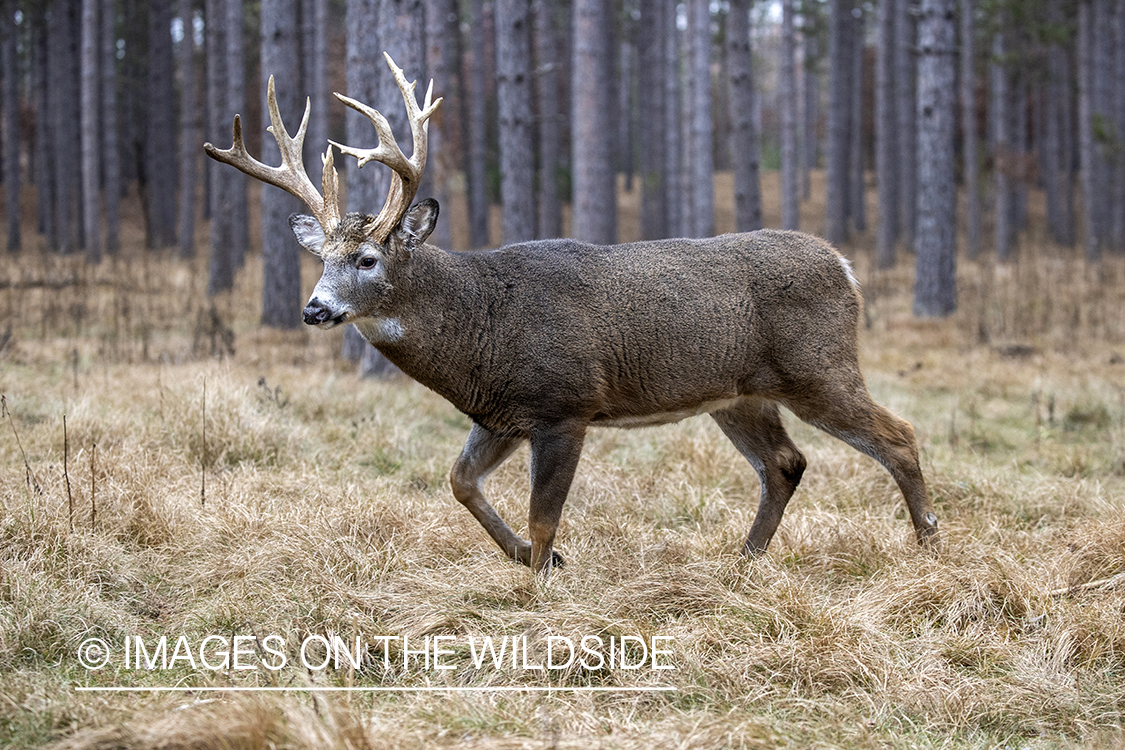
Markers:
<point>367,263</point>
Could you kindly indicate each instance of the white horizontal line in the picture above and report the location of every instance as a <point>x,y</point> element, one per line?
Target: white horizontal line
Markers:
<point>436,689</point>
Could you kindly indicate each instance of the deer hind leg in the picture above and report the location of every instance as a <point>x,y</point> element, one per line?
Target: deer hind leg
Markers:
<point>554,458</point>
<point>846,411</point>
<point>756,430</point>
<point>483,452</point>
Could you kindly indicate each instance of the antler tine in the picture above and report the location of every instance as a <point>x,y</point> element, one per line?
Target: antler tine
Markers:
<point>290,176</point>
<point>407,171</point>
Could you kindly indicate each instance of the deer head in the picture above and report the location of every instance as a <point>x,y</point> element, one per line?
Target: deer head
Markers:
<point>358,249</point>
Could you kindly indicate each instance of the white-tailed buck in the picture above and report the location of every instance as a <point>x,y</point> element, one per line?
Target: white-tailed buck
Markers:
<point>543,340</point>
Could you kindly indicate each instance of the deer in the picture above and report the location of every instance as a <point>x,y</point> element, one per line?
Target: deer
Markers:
<point>539,342</point>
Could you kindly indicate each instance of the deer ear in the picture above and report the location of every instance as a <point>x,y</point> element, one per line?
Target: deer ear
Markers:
<point>308,232</point>
<point>417,224</point>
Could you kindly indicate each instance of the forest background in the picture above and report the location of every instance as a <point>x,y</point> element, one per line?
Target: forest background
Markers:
<point>179,455</point>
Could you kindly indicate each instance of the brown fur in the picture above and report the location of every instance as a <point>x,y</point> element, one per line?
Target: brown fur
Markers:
<point>542,340</point>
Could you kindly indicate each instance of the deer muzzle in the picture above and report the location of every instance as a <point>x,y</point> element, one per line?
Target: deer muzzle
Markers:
<point>316,313</point>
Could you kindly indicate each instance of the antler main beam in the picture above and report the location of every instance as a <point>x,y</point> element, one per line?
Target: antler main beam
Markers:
<point>290,176</point>
<point>407,171</point>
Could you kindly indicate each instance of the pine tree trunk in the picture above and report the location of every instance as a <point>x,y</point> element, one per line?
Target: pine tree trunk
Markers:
<point>857,203</point>
<point>905,81</point>
<point>810,113</point>
<point>673,124</point>
<point>935,289</point>
<point>237,182</point>
<point>886,136</point>
<point>365,71</point>
<point>160,133</point>
<point>220,272</point>
<point>548,63</point>
<point>1002,149</point>
<point>1086,145</point>
<point>281,260</point>
<point>1103,119</point>
<point>595,200</point>
<point>1058,145</point>
<point>969,130</point>
<point>442,27</point>
<point>189,131</point>
<point>91,210</point>
<point>1021,149</point>
<point>839,120</point>
<point>314,71</point>
<point>44,174</point>
<point>701,167</point>
<point>517,159</point>
<point>1118,82</point>
<point>476,153</point>
<point>744,148</point>
<point>787,94</point>
<point>111,155</point>
<point>11,97</point>
<point>63,42</point>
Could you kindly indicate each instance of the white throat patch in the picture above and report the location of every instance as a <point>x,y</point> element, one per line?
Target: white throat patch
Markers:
<point>380,330</point>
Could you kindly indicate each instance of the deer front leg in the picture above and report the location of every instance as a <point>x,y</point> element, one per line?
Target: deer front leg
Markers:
<point>483,452</point>
<point>554,457</point>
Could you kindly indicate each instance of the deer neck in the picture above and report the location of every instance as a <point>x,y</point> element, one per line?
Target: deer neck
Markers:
<point>435,325</point>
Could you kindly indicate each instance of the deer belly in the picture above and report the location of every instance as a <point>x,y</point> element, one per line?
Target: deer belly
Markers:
<point>664,417</point>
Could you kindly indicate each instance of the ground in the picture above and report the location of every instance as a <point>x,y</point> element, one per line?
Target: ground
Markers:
<point>219,480</point>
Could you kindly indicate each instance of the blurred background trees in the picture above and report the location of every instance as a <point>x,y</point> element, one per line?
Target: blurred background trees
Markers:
<point>557,112</point>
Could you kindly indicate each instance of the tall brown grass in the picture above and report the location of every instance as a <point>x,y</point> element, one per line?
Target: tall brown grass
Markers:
<point>327,511</point>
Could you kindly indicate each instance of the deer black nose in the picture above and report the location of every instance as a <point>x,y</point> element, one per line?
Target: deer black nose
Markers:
<point>316,312</point>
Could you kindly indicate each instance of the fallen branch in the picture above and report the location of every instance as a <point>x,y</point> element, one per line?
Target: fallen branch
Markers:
<point>1101,583</point>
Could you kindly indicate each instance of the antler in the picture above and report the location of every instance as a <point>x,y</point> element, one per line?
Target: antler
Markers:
<point>407,172</point>
<point>290,176</point>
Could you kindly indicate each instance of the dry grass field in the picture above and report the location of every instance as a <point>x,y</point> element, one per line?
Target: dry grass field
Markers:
<point>219,480</point>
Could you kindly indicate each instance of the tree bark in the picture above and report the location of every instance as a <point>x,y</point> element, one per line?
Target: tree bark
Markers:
<point>159,164</point>
<point>1003,151</point>
<point>314,72</point>
<point>189,131</point>
<point>905,82</point>
<point>281,259</point>
<point>969,130</point>
<point>517,159</point>
<point>1058,145</point>
<point>476,153</point>
<point>745,149</point>
<point>442,28</point>
<point>1086,143</point>
<point>701,167</point>
<point>549,64</point>
<point>91,210</point>
<point>111,155</point>
<point>839,120</point>
<point>935,289</point>
<point>238,182</point>
<point>886,136</point>
<point>44,175</point>
<point>787,94</point>
<point>810,111</point>
<point>220,272</point>
<point>64,92</point>
<point>857,202</point>
<point>673,124</point>
<point>11,96</point>
<point>1118,82</point>
<point>595,200</point>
